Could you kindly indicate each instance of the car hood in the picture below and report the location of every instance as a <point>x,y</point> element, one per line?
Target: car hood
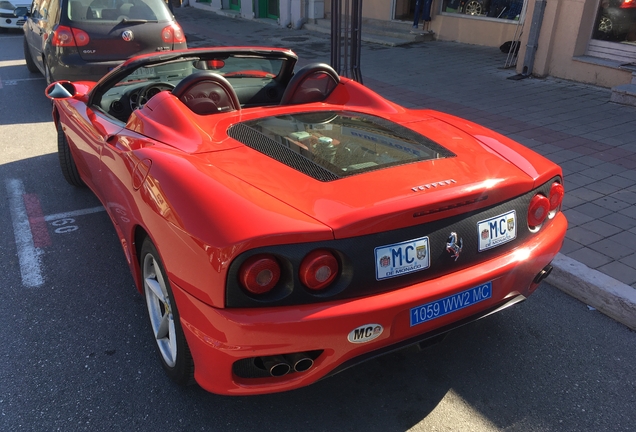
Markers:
<point>487,169</point>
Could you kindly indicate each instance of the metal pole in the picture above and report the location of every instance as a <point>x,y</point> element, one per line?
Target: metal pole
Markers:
<point>356,36</point>
<point>335,34</point>
<point>533,37</point>
<point>352,38</point>
<point>347,20</point>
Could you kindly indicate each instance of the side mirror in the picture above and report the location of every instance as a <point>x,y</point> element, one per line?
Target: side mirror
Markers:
<point>60,90</point>
<point>21,11</point>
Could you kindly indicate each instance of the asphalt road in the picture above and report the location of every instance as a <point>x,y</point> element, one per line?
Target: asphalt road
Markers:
<point>77,352</point>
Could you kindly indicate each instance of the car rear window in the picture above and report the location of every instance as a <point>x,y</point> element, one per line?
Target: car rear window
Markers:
<point>339,143</point>
<point>118,10</point>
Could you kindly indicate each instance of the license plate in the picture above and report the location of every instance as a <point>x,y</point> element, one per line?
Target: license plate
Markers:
<point>496,231</point>
<point>402,258</point>
<point>438,308</point>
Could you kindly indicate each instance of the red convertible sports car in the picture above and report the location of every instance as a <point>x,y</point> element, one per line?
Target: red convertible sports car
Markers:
<point>285,225</point>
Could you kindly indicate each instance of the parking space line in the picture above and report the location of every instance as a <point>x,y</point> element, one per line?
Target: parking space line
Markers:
<point>39,229</point>
<point>73,213</point>
<point>28,254</point>
<point>16,81</point>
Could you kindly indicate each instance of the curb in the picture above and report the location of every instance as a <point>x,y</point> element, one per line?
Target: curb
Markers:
<point>611,297</point>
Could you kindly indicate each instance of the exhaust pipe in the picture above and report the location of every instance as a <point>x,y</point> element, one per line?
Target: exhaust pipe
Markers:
<point>276,365</point>
<point>543,274</point>
<point>300,362</point>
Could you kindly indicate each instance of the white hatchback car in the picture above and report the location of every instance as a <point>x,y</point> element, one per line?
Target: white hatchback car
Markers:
<point>8,20</point>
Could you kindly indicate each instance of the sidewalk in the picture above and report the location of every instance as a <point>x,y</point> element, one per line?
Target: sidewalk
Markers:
<point>574,125</point>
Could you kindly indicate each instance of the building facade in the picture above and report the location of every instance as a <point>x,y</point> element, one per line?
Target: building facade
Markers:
<point>588,41</point>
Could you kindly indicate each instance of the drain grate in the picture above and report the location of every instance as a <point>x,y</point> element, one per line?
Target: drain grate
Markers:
<point>295,39</point>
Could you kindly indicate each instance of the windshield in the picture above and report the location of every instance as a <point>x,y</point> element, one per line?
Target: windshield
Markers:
<point>118,10</point>
<point>255,78</point>
<point>229,66</point>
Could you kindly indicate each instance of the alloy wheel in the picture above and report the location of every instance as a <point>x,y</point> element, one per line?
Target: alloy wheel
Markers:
<point>159,310</point>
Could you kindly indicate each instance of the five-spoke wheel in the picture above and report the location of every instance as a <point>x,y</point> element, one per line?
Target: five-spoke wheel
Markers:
<point>164,317</point>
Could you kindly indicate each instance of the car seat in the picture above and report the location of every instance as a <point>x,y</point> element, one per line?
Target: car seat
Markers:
<point>206,92</point>
<point>312,83</point>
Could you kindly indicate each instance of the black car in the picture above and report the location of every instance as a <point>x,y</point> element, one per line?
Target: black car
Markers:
<point>84,39</point>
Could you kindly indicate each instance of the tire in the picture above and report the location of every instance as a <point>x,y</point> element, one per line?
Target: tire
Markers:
<point>47,73</point>
<point>30,64</point>
<point>172,346</point>
<point>606,30</point>
<point>67,164</point>
<point>473,7</point>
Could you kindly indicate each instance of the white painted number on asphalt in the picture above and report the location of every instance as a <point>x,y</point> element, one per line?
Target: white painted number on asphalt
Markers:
<point>29,237</point>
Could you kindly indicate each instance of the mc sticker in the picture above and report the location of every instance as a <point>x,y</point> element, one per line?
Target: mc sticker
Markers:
<point>365,333</point>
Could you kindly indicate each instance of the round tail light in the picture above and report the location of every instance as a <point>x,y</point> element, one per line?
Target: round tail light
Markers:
<point>318,269</point>
<point>259,274</point>
<point>538,210</point>
<point>556,195</point>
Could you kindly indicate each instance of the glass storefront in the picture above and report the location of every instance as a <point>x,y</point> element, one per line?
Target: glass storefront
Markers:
<point>501,9</point>
<point>614,32</point>
<point>616,21</point>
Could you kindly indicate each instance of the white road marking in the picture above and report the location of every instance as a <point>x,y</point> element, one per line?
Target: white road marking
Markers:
<point>73,213</point>
<point>16,81</point>
<point>28,254</point>
<point>5,63</point>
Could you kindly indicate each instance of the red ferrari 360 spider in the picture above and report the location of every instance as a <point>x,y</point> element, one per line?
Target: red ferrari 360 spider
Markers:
<point>285,225</point>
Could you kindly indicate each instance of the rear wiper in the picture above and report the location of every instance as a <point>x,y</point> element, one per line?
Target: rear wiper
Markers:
<point>135,21</point>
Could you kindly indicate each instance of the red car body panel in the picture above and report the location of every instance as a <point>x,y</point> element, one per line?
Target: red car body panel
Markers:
<point>222,336</point>
<point>204,199</point>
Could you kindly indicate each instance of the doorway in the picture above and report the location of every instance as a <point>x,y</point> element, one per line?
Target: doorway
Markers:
<point>268,9</point>
<point>404,10</point>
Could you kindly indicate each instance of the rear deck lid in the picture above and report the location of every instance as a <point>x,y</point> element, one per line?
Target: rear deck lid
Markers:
<point>359,173</point>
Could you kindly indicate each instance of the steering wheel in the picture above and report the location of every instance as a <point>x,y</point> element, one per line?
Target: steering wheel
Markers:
<point>147,92</point>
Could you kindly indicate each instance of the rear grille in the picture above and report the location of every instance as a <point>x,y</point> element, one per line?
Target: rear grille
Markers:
<point>263,144</point>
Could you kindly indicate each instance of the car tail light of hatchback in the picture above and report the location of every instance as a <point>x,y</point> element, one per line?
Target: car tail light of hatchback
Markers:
<point>318,269</point>
<point>173,34</point>
<point>259,274</point>
<point>67,37</point>
<point>538,210</point>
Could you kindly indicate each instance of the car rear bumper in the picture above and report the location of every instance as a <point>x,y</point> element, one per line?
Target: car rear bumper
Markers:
<point>218,338</point>
<point>70,66</point>
<point>73,68</point>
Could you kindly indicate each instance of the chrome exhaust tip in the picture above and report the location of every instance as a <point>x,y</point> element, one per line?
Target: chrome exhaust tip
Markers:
<point>276,365</point>
<point>300,362</point>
